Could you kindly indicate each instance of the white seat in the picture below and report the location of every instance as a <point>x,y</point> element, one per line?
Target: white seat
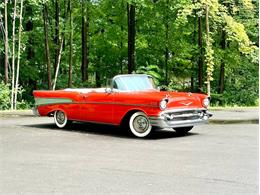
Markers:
<point>87,90</point>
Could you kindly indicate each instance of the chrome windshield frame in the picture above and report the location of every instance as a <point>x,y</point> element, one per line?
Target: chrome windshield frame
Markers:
<point>127,75</point>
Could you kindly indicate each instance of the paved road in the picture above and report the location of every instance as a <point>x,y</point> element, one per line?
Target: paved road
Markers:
<point>37,158</point>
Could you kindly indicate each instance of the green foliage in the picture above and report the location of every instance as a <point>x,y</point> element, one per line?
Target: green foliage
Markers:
<point>163,28</point>
<point>5,97</point>
<point>209,59</point>
<point>153,71</point>
<point>178,84</point>
<point>236,32</point>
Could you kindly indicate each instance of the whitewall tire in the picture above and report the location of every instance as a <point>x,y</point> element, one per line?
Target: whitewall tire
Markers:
<point>140,125</point>
<point>60,119</point>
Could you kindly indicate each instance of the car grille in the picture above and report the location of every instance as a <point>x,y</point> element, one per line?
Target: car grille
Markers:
<point>183,115</point>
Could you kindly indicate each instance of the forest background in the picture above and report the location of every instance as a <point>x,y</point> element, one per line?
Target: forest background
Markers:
<point>208,46</point>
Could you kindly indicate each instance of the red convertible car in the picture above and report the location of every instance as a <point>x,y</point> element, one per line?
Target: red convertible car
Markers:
<point>132,101</point>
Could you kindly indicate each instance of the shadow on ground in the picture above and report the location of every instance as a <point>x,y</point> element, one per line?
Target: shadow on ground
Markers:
<point>109,130</point>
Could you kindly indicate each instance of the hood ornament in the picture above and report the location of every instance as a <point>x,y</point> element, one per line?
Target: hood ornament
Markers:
<point>186,103</point>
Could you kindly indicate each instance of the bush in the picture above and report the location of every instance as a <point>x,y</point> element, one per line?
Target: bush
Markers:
<point>5,94</point>
<point>5,98</point>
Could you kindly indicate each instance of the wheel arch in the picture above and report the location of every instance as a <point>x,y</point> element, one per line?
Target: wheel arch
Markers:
<point>52,111</point>
<point>128,114</point>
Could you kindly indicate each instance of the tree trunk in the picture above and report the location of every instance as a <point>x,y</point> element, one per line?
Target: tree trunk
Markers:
<point>84,44</point>
<point>222,66</point>
<point>193,58</point>
<point>166,44</point>
<point>47,50</point>
<point>13,58</point>
<point>29,28</point>
<point>6,44</point>
<point>166,61</point>
<point>19,50</point>
<point>207,34</point>
<point>58,63</point>
<point>200,62</point>
<point>98,79</point>
<point>131,37</point>
<point>57,32</point>
<point>71,45</point>
<point>67,12</point>
<point>121,53</point>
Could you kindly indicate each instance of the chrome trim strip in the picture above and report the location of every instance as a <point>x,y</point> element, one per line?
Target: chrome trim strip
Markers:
<point>47,101</point>
<point>182,110</point>
<point>94,122</point>
<point>185,115</point>
<point>121,104</point>
<point>53,101</point>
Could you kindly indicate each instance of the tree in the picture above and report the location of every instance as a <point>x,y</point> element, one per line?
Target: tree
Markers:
<point>6,43</point>
<point>13,57</point>
<point>84,38</point>
<point>200,62</point>
<point>19,53</point>
<point>46,41</point>
<point>131,37</point>
<point>57,33</point>
<point>219,16</point>
<point>71,45</point>
<point>181,43</point>
<point>209,52</point>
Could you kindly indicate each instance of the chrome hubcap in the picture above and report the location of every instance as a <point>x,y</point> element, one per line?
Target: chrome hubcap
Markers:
<point>141,124</point>
<point>60,116</point>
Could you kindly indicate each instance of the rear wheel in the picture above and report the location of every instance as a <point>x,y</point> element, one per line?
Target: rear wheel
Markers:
<point>139,124</point>
<point>182,130</point>
<point>60,119</point>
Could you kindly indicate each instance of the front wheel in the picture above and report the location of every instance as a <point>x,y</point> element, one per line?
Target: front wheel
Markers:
<point>139,124</point>
<point>60,119</point>
<point>182,130</point>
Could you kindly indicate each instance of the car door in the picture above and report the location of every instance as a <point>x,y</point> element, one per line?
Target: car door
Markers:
<point>98,107</point>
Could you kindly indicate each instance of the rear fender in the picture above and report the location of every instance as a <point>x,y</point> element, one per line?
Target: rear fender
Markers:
<point>49,110</point>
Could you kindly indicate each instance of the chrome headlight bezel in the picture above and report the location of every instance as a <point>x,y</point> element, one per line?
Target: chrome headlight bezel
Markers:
<point>163,104</point>
<point>206,102</point>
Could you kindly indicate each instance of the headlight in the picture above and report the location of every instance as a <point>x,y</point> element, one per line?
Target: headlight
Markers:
<point>206,102</point>
<point>163,104</point>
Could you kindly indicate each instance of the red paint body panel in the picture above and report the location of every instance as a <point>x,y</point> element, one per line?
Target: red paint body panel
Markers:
<point>110,108</point>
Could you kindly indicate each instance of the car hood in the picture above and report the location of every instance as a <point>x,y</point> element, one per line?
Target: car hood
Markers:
<point>175,99</point>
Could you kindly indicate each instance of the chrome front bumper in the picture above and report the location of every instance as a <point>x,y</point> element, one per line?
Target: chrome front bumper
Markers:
<point>180,118</point>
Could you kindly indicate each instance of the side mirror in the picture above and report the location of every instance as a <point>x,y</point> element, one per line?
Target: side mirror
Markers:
<point>108,90</point>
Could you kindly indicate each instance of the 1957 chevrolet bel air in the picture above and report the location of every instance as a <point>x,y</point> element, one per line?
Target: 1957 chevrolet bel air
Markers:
<point>132,101</point>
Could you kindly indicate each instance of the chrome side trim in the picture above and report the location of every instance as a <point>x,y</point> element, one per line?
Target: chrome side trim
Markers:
<point>46,101</point>
<point>53,101</point>
<point>120,104</point>
<point>94,122</point>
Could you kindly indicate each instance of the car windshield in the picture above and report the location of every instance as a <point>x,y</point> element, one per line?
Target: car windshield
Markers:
<point>133,83</point>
